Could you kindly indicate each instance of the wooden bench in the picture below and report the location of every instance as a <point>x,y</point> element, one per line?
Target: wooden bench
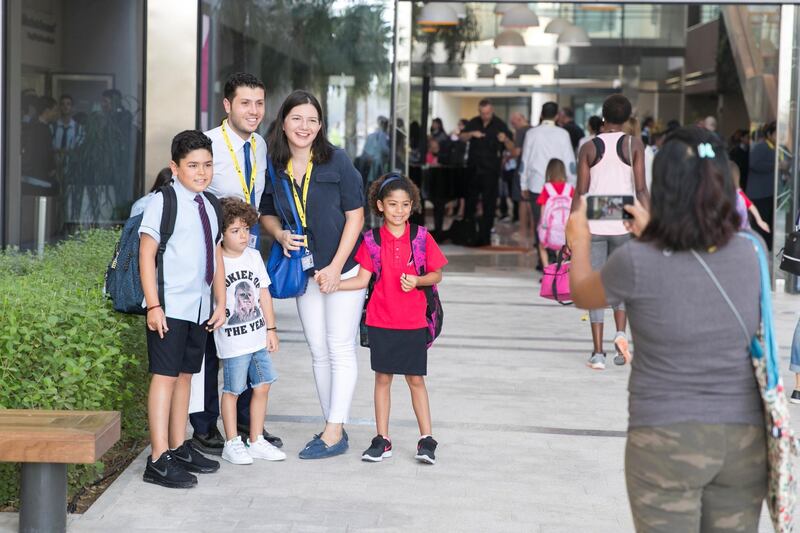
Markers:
<point>45,442</point>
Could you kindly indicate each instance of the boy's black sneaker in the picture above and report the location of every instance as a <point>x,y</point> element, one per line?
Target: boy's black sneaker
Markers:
<point>426,449</point>
<point>193,461</point>
<point>244,432</point>
<point>795,398</point>
<point>168,472</point>
<point>378,450</point>
<point>210,443</point>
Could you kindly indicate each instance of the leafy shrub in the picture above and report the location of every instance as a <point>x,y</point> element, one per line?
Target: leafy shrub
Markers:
<point>63,347</point>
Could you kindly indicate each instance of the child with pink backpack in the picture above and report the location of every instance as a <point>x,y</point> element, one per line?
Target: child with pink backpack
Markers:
<point>403,312</point>
<point>556,201</point>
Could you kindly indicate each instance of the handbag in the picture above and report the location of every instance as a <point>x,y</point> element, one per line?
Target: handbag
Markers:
<point>782,446</point>
<point>286,274</point>
<point>555,282</point>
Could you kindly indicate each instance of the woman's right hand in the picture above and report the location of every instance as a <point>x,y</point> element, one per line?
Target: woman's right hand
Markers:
<point>641,217</point>
<point>291,242</point>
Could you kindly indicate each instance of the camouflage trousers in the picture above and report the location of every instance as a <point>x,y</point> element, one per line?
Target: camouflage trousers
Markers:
<point>693,477</point>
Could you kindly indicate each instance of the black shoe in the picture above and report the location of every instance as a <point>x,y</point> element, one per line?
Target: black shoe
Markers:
<point>378,450</point>
<point>193,461</point>
<point>210,443</point>
<point>795,398</point>
<point>425,450</point>
<point>168,472</point>
<point>244,432</point>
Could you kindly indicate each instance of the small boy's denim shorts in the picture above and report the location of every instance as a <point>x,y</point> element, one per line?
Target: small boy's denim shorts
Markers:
<point>236,369</point>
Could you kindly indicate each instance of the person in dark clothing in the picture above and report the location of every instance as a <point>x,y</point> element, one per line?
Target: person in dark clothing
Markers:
<point>487,136</point>
<point>38,158</point>
<point>566,120</point>
<point>647,130</point>
<point>761,179</point>
<point>740,154</point>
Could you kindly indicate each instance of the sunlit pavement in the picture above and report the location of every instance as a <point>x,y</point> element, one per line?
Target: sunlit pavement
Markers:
<point>530,438</point>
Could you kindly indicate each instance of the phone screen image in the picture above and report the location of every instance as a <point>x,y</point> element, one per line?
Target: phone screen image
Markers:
<point>608,207</point>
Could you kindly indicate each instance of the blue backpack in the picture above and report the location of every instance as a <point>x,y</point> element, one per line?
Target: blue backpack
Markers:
<point>123,284</point>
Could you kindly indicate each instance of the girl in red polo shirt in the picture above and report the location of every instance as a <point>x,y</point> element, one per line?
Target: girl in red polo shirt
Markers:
<point>396,311</point>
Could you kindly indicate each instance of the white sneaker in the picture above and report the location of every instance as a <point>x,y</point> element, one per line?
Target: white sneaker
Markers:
<point>235,452</point>
<point>261,449</point>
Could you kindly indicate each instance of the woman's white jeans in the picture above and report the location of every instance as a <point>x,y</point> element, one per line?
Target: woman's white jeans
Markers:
<point>330,323</point>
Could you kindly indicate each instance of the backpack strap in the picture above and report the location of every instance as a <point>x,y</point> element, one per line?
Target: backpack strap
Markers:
<point>551,191</point>
<point>419,240</point>
<point>215,203</point>
<point>372,238</point>
<point>168,216</point>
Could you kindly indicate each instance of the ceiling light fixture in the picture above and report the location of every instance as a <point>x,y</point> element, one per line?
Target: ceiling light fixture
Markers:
<point>437,14</point>
<point>574,36</point>
<point>519,17</point>
<point>508,38</point>
<point>557,25</point>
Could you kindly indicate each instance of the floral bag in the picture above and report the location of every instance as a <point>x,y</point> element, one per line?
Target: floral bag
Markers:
<point>782,446</point>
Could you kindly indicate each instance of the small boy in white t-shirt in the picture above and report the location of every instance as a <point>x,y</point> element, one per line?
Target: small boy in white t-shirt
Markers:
<point>249,332</point>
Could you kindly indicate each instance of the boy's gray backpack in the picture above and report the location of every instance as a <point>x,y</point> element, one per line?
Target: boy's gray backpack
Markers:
<point>123,284</point>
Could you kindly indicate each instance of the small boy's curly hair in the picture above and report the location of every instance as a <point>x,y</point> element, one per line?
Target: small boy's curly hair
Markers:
<point>233,208</point>
<point>394,181</point>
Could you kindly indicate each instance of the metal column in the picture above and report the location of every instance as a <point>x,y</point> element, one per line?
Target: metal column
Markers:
<point>43,498</point>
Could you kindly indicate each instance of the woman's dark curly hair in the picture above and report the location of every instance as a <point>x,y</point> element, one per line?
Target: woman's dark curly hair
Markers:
<point>693,200</point>
<point>233,208</point>
<point>394,182</point>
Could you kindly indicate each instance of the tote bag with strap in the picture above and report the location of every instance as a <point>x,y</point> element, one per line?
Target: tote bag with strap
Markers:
<point>286,274</point>
<point>782,446</point>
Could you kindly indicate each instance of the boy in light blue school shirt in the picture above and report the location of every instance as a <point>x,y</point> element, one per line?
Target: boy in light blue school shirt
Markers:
<point>178,327</point>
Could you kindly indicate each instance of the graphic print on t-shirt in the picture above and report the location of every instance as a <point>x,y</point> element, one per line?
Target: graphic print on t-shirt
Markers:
<point>245,304</point>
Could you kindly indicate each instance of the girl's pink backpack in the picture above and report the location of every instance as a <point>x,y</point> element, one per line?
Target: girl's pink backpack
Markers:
<point>555,283</point>
<point>555,212</point>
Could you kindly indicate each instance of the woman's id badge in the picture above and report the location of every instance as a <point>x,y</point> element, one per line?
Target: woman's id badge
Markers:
<point>307,261</point>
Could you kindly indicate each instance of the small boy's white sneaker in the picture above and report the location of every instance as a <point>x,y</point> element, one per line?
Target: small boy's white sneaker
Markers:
<point>235,452</point>
<point>261,449</point>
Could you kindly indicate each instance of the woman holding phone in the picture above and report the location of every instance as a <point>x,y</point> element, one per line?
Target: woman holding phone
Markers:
<point>611,164</point>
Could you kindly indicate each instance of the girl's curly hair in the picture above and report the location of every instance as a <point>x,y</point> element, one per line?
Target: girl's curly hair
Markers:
<point>394,182</point>
<point>233,208</point>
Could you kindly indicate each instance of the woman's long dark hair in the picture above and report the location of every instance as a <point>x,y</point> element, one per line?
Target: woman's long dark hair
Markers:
<point>693,200</point>
<point>278,145</point>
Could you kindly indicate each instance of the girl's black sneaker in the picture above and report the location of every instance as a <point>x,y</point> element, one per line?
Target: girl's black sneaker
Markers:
<point>168,473</point>
<point>378,450</point>
<point>795,398</point>
<point>426,449</point>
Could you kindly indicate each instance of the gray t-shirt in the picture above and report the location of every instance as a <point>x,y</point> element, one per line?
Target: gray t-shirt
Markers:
<point>691,361</point>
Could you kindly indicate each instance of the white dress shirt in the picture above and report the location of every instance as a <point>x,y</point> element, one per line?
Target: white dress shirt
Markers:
<point>543,143</point>
<point>226,180</point>
<point>187,295</point>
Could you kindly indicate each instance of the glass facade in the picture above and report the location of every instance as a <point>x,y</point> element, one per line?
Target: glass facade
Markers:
<point>340,51</point>
<point>73,80</point>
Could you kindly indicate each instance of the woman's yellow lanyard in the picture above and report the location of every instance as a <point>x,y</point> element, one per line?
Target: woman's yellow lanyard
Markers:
<point>308,259</point>
<point>301,204</point>
<point>247,185</point>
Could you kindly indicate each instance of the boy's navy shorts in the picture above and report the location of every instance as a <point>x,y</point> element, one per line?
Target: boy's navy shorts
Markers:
<point>180,351</point>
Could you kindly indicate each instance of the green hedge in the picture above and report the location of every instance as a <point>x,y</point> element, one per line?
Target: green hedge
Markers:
<point>63,347</point>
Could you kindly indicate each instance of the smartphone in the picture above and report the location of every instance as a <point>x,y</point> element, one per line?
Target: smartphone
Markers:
<point>608,207</point>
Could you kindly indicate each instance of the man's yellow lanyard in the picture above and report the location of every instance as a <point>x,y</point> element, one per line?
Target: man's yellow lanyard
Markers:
<point>301,204</point>
<point>247,190</point>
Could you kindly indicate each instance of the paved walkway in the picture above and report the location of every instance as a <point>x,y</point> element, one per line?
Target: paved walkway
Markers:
<point>530,439</point>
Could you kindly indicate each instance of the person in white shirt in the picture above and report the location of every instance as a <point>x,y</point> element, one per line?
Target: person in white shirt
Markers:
<point>240,168</point>
<point>248,336</point>
<point>544,142</point>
